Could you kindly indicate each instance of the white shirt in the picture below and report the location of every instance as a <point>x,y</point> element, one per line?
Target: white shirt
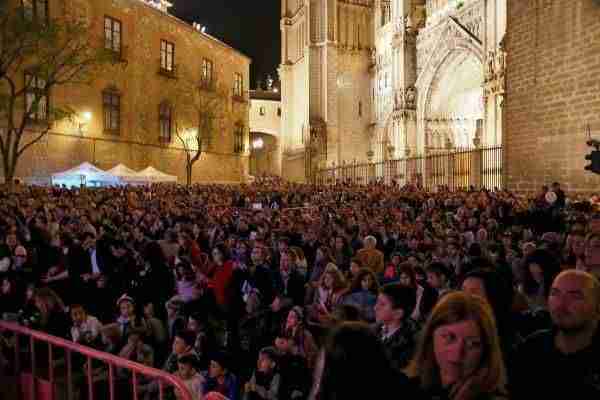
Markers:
<point>95,267</point>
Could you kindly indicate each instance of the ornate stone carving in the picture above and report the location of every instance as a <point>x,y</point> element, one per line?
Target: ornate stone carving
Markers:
<point>398,99</point>
<point>411,98</point>
<point>495,71</point>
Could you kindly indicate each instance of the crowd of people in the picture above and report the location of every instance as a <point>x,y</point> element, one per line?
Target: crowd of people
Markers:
<point>285,291</point>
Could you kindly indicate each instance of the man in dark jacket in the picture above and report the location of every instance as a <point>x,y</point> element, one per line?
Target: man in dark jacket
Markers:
<point>563,362</point>
<point>395,329</point>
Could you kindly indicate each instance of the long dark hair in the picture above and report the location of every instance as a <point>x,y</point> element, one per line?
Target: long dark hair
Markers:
<point>550,269</point>
<point>353,356</point>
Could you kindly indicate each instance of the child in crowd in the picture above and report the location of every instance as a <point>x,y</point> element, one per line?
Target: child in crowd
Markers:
<point>219,379</point>
<point>193,380</point>
<point>265,382</point>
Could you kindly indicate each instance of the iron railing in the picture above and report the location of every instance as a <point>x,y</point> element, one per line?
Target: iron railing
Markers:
<point>44,369</point>
<point>457,169</point>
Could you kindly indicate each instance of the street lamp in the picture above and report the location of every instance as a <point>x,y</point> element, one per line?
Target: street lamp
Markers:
<point>258,144</point>
<point>84,120</point>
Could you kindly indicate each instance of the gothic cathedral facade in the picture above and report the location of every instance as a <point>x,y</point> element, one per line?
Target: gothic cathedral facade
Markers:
<point>374,80</point>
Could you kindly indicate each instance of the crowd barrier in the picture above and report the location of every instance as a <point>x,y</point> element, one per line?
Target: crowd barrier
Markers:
<point>45,367</point>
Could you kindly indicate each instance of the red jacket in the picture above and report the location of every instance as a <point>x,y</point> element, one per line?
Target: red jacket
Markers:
<point>219,282</point>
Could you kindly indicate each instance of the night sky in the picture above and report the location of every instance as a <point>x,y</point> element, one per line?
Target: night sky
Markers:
<point>250,26</point>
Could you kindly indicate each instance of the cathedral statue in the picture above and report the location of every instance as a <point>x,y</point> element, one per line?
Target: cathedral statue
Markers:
<point>489,72</point>
<point>398,99</point>
<point>411,97</point>
<point>500,63</point>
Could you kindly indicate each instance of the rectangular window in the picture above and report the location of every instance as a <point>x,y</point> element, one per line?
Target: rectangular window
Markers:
<point>386,12</point>
<point>111,102</point>
<point>207,72</point>
<point>261,111</point>
<point>167,56</point>
<point>238,139</point>
<point>360,108</point>
<point>165,121</point>
<point>238,85</point>
<point>36,98</point>
<point>112,34</point>
<point>36,10</point>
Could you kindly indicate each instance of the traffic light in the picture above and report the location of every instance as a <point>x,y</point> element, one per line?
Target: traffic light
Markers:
<point>594,166</point>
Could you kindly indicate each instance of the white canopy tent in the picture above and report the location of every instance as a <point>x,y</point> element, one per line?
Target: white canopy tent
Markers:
<point>85,174</point>
<point>152,175</point>
<point>126,174</point>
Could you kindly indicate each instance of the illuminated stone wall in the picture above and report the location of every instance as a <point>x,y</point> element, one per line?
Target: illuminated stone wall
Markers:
<point>142,89</point>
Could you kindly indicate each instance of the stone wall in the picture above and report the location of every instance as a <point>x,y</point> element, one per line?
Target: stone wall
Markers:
<point>553,92</point>
<point>142,90</point>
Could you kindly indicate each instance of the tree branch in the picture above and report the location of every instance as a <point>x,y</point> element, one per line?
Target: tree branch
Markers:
<point>33,141</point>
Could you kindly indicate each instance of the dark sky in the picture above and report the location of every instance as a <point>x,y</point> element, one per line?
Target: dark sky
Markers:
<point>250,26</point>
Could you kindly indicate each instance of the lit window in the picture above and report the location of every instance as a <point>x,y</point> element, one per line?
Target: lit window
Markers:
<point>207,72</point>
<point>112,34</point>
<point>111,102</point>
<point>238,139</point>
<point>35,10</point>
<point>165,121</point>
<point>167,56</point>
<point>36,98</point>
<point>238,85</point>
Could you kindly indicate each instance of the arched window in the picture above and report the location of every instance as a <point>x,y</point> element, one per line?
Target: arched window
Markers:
<point>165,118</point>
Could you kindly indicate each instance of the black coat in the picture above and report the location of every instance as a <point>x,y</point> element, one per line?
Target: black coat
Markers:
<point>294,290</point>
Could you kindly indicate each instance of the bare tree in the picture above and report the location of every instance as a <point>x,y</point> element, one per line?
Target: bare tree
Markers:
<point>201,108</point>
<point>37,55</point>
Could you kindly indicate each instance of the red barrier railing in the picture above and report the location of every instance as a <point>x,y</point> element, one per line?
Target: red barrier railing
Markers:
<point>164,380</point>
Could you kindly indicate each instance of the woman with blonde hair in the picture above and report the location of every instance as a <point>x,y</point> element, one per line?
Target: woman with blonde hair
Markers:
<point>330,292</point>
<point>459,354</point>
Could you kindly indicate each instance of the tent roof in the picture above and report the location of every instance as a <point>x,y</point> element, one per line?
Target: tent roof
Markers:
<point>122,171</point>
<point>90,171</point>
<point>153,174</point>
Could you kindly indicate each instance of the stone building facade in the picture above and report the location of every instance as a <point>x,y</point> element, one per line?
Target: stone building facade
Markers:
<point>265,132</point>
<point>553,93</point>
<point>149,84</point>
<point>372,80</point>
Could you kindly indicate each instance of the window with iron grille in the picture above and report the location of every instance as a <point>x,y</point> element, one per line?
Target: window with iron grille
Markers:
<point>167,56</point>
<point>36,98</point>
<point>112,34</point>
<point>165,121</point>
<point>111,102</point>
<point>238,139</point>
<point>35,10</point>
<point>238,85</point>
<point>207,73</point>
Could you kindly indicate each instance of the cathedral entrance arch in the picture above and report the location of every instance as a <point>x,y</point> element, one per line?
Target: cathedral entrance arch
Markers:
<point>450,85</point>
<point>454,107</point>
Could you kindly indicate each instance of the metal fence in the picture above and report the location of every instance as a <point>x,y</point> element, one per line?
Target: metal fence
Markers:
<point>457,169</point>
<point>45,367</point>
